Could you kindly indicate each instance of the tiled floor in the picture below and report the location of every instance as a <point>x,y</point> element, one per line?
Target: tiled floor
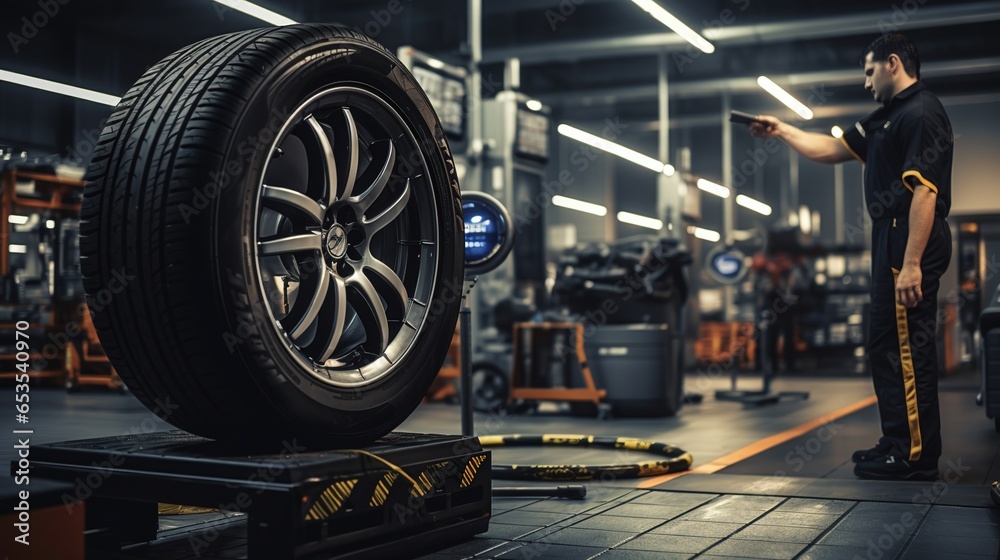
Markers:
<point>712,526</point>
<point>745,511</point>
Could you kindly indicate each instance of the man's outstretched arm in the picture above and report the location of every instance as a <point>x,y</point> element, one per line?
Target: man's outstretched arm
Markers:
<point>817,147</point>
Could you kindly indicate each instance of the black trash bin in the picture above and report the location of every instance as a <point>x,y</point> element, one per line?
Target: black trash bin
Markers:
<point>638,366</point>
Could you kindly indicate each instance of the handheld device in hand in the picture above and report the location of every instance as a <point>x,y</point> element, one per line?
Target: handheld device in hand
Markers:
<point>742,118</point>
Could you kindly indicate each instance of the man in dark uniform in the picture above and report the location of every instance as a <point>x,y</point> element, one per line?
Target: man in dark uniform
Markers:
<point>906,146</point>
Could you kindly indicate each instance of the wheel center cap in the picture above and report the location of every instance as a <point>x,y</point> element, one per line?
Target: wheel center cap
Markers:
<point>336,241</point>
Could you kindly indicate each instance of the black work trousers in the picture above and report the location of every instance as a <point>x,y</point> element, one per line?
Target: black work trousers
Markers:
<point>902,343</point>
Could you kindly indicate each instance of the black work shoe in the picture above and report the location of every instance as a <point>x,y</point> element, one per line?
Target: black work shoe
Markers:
<point>863,455</point>
<point>889,467</point>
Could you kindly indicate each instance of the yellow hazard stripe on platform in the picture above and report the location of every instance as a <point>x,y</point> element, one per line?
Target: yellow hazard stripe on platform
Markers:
<point>471,469</point>
<point>428,478</point>
<point>381,492</point>
<point>331,500</point>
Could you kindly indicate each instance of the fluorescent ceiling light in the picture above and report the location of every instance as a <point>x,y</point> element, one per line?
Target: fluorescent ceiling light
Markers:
<point>805,220</point>
<point>56,87</point>
<point>19,249</point>
<point>50,224</point>
<point>785,97</point>
<point>579,205</point>
<point>637,220</point>
<point>435,63</point>
<point>17,220</point>
<point>707,234</point>
<point>251,9</point>
<point>675,25</point>
<point>755,205</point>
<point>713,188</point>
<point>610,147</point>
<point>534,104</point>
<point>837,132</point>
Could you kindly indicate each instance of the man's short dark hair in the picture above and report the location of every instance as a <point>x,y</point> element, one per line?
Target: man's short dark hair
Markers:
<point>899,45</point>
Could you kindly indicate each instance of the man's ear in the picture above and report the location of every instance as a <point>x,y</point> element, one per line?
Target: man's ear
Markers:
<point>893,63</point>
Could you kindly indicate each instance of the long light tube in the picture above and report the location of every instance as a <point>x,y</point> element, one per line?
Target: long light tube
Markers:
<point>611,147</point>
<point>706,234</point>
<point>56,87</point>
<point>675,25</point>
<point>642,221</point>
<point>785,97</point>
<point>253,10</point>
<point>755,205</point>
<point>713,188</point>
<point>579,205</point>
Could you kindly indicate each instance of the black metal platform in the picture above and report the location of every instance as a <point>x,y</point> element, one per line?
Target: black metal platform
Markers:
<point>406,492</point>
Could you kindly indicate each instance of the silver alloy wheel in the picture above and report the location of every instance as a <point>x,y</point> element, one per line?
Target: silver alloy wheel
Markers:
<point>346,237</point>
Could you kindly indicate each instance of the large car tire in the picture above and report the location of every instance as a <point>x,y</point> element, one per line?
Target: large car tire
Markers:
<point>272,238</point>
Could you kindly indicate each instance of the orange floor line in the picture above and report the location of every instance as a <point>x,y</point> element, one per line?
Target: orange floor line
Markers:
<point>762,445</point>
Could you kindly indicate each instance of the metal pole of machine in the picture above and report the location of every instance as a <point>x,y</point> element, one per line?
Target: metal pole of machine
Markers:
<point>727,203</point>
<point>474,174</point>
<point>668,203</point>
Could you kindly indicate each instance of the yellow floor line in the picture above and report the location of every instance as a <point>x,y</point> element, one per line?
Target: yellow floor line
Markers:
<point>762,445</point>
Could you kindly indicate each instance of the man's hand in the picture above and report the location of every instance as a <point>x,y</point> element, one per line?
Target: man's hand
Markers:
<point>908,285</point>
<point>768,127</point>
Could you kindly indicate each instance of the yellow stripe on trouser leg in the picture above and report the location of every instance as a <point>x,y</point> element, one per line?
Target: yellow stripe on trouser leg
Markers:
<point>909,376</point>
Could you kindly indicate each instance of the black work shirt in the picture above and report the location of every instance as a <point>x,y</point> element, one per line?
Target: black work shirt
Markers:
<point>905,143</point>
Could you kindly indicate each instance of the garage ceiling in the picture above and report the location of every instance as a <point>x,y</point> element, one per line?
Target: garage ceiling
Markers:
<point>589,58</point>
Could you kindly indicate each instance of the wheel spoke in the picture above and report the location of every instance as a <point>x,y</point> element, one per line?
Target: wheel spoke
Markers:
<point>345,153</point>
<point>286,200</point>
<point>331,320</point>
<point>290,244</point>
<point>329,165</point>
<point>365,199</point>
<point>390,213</point>
<point>370,309</point>
<point>390,277</point>
<point>308,312</point>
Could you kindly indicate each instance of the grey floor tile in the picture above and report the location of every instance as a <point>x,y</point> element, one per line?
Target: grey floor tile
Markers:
<point>587,537</point>
<point>663,513</point>
<point>796,519</point>
<point>755,503</point>
<point>539,533</point>
<point>548,551</point>
<point>874,540</point>
<point>507,532</point>
<point>725,515</point>
<point>820,552</point>
<point>555,505</point>
<point>954,545</point>
<point>619,554</point>
<point>959,529</point>
<point>669,543</point>
<point>888,507</point>
<point>614,523</point>
<point>674,499</point>
<point>698,528</point>
<point>928,555</point>
<point>757,549</point>
<point>507,504</point>
<point>963,514</point>
<point>808,505</point>
<point>531,518</point>
<point>889,523</point>
<point>473,546</point>
<point>804,535</point>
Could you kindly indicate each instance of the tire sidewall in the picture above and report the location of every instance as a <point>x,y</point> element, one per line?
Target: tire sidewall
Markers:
<point>308,402</point>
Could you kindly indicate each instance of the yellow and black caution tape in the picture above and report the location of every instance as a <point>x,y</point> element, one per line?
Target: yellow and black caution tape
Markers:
<point>676,459</point>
